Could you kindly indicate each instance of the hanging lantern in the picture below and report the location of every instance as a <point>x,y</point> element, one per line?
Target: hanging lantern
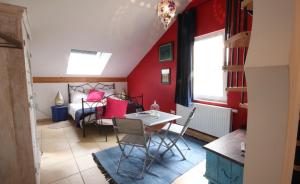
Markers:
<point>166,10</point>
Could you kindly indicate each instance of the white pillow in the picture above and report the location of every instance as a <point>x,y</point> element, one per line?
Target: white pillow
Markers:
<point>109,92</point>
<point>76,96</point>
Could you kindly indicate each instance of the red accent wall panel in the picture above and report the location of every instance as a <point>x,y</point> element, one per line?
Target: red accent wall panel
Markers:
<point>145,77</point>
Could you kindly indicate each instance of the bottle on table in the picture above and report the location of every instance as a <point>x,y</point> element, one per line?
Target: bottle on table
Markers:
<point>154,109</point>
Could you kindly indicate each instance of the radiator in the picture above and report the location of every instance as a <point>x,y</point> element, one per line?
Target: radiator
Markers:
<point>212,120</point>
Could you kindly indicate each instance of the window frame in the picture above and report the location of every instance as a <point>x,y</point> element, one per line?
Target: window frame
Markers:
<point>80,67</point>
<point>207,98</point>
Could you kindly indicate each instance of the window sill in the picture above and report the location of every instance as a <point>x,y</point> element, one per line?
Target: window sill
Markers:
<point>216,103</point>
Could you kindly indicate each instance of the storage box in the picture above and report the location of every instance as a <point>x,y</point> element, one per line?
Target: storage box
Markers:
<point>59,113</point>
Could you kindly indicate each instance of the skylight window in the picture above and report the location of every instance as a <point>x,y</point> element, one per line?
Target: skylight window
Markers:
<point>87,62</point>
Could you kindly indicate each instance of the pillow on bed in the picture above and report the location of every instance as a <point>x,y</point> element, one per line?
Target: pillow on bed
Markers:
<point>95,96</point>
<point>76,96</point>
<point>115,108</point>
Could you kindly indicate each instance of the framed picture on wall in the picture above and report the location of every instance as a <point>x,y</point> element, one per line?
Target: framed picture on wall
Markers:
<point>166,52</point>
<point>165,75</point>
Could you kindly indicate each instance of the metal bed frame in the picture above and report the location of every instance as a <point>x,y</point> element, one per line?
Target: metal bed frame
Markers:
<point>91,116</point>
<point>88,86</point>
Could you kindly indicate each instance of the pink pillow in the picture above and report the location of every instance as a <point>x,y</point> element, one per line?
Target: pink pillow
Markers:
<point>115,108</point>
<point>95,96</point>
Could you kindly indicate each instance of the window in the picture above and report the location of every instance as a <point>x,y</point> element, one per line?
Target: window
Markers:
<point>87,62</point>
<point>209,78</point>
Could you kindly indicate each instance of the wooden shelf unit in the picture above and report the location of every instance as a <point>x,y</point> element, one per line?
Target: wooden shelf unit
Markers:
<point>247,4</point>
<point>236,89</point>
<point>239,40</point>
<point>234,68</point>
<point>244,105</point>
<point>10,42</point>
<point>297,168</point>
<point>296,172</point>
<point>20,154</point>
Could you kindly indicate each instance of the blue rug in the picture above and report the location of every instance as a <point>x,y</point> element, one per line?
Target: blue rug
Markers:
<point>164,171</point>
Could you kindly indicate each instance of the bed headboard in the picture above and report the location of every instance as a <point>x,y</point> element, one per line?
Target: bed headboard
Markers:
<point>84,88</point>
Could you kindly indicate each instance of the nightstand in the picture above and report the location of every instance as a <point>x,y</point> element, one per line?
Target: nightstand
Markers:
<point>59,113</point>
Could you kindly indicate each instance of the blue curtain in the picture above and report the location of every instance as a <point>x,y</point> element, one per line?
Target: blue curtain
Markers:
<point>185,38</point>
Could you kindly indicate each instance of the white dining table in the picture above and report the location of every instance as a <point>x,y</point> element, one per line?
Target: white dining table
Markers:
<point>152,118</point>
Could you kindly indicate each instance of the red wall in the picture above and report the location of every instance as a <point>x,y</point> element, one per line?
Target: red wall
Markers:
<point>145,78</point>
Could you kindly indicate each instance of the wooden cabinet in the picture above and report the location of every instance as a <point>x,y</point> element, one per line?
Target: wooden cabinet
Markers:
<point>224,159</point>
<point>19,153</point>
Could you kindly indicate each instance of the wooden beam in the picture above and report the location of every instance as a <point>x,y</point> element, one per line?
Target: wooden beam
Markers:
<point>297,168</point>
<point>244,105</point>
<point>247,4</point>
<point>236,89</point>
<point>239,40</point>
<point>77,79</point>
<point>234,68</point>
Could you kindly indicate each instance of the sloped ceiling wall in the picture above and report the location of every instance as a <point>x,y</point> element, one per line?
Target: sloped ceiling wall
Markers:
<point>125,28</point>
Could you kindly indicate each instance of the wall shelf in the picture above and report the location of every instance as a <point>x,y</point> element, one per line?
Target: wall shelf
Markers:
<point>240,40</point>
<point>234,68</point>
<point>236,89</point>
<point>247,4</point>
<point>297,168</point>
<point>9,42</point>
<point>244,105</point>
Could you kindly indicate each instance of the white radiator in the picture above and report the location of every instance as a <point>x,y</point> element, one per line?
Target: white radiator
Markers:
<point>212,120</point>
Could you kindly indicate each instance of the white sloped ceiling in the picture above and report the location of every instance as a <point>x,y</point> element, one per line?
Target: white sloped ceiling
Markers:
<point>125,28</point>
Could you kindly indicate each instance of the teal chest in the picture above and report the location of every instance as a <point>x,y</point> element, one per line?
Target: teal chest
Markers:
<point>220,170</point>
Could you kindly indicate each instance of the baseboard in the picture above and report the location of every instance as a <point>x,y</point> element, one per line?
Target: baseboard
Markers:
<point>43,120</point>
<point>200,135</point>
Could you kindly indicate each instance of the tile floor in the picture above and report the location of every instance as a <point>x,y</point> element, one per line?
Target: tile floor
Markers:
<point>67,159</point>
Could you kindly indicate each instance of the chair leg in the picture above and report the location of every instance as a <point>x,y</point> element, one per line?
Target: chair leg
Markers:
<point>184,142</point>
<point>144,165</point>
<point>173,143</point>
<point>83,128</point>
<point>130,151</point>
<point>105,133</point>
<point>167,146</point>
<point>180,152</point>
<point>119,162</point>
<point>125,156</point>
<point>99,129</point>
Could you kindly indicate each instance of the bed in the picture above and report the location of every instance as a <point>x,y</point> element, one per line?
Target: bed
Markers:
<point>85,113</point>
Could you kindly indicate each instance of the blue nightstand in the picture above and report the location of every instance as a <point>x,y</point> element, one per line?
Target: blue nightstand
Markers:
<point>59,113</point>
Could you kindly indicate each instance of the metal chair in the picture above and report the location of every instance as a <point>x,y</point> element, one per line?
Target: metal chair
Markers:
<point>103,124</point>
<point>179,131</point>
<point>132,107</point>
<point>135,137</point>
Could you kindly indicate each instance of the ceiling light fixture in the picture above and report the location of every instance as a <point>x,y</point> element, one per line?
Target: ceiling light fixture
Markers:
<point>166,10</point>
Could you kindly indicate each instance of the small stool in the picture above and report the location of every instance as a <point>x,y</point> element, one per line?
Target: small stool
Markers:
<point>59,113</point>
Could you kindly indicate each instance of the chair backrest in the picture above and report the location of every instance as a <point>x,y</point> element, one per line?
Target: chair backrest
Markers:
<point>188,121</point>
<point>134,107</point>
<point>129,126</point>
